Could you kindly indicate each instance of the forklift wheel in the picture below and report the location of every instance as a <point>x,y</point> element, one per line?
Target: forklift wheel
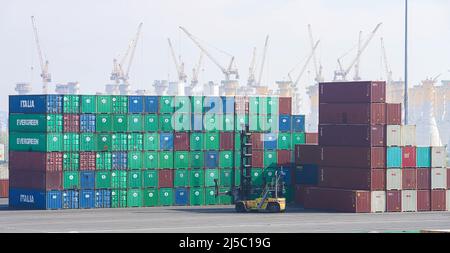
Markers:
<point>273,207</point>
<point>240,208</point>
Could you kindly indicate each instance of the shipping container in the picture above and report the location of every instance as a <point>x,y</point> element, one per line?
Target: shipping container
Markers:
<point>88,161</point>
<point>257,177</point>
<point>257,140</point>
<point>150,197</point>
<point>408,135</point>
<point>226,140</point>
<point>423,200</point>
<point>196,177</point>
<point>104,104</point>
<point>87,199</point>
<point>423,179</point>
<point>166,141</point>
<point>228,122</point>
<point>226,177</point>
<point>135,179</point>
<point>87,123</point>
<point>165,160</point>
<point>298,138</point>
<point>210,176</point>
<point>181,141</point>
<point>393,179</point>
<point>182,104</point>
<point>135,142</point>
<point>119,104</point>
<point>36,161</point>
<point>166,104</point>
<point>337,200</point>
<point>22,198</point>
<point>393,114</point>
<point>197,196</point>
<point>257,158</point>
<point>120,123</point>
<point>285,105</point>
<point>71,161</point>
<point>438,200</point>
<point>70,199</point>
<point>212,104</point>
<point>166,122</point>
<point>285,141</point>
<point>256,123</point>
<point>119,160</point>
<point>136,104</point>
<point>119,179</point>
<point>87,179</point>
<point>370,114</point>
<point>71,180</point>
<point>103,161</point>
<point>4,188</point>
<point>71,104</point>
<point>352,135</point>
<point>352,92</point>
<point>151,122</point>
<point>409,179</point>
<point>181,178</point>
<point>181,196</point>
<point>409,201</point>
<point>35,104</point>
<point>211,159</point>
<point>307,174</point>
<point>88,142</point>
<point>151,160</point>
<point>285,123</point>
<point>226,159</point>
<point>409,157</point>
<point>165,178</point>
<point>197,122</point>
<point>181,160</point>
<point>166,196</point>
<point>196,141</point>
<point>102,179</point>
<point>423,157</point>
<point>135,160</point>
<point>212,140</point>
<point>312,138</point>
<point>438,178</point>
<point>103,198</point>
<point>352,178</point>
<point>298,123</point>
<point>210,196</point>
<point>135,123</point>
<point>134,198</point>
<point>104,123</point>
<point>50,123</point>
<point>307,154</point>
<point>35,142</point>
<point>378,201</point>
<point>271,159</point>
<point>151,141</point>
<point>40,180</point>
<point>393,201</point>
<point>213,122</point>
<point>197,159</point>
<point>270,141</point>
<point>352,157</point>
<point>284,158</point>
<point>71,142</point>
<point>393,135</point>
<point>438,157</point>
<point>88,104</point>
<point>118,198</point>
<point>241,121</point>
<point>151,104</point>
<point>150,179</point>
<point>394,157</point>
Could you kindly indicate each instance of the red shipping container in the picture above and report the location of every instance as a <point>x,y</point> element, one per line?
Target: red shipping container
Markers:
<point>423,200</point>
<point>307,154</point>
<point>438,200</point>
<point>366,114</point>
<point>353,157</point>
<point>393,201</point>
<point>284,158</point>
<point>352,201</point>
<point>87,160</point>
<point>424,179</point>
<point>181,141</point>
<point>409,157</point>
<point>351,178</point>
<point>352,135</point>
<point>227,141</point>
<point>352,92</point>
<point>71,123</point>
<point>36,180</point>
<point>257,159</point>
<point>393,114</point>
<point>409,179</point>
<point>312,138</point>
<point>257,140</point>
<point>165,178</point>
<point>285,105</point>
<point>35,161</point>
<point>300,191</point>
<point>241,105</point>
<point>4,188</point>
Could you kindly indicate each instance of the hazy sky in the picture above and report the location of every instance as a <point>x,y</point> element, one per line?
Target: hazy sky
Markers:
<point>81,37</point>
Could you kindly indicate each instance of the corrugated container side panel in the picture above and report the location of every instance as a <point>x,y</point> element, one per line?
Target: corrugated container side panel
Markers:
<point>423,179</point>
<point>408,135</point>
<point>352,113</point>
<point>409,179</point>
<point>28,104</point>
<point>393,179</point>
<point>4,188</point>
<point>393,114</point>
<point>438,199</point>
<point>438,157</point>
<point>378,201</point>
<point>356,92</point>
<point>393,201</point>
<point>409,157</point>
<point>393,135</point>
<point>439,178</point>
<point>353,157</point>
<point>423,157</point>
<point>409,201</point>
<point>352,135</point>
<point>423,200</point>
<point>20,198</point>
<point>338,200</point>
<point>348,178</point>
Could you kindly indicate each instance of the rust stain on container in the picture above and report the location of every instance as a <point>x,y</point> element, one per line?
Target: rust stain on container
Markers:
<point>352,135</point>
<point>356,92</point>
<point>369,114</point>
<point>352,178</point>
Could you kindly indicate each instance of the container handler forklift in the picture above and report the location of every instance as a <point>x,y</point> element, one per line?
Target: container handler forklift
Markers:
<point>270,200</point>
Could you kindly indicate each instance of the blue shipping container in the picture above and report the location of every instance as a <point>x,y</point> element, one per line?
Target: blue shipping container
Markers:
<point>87,179</point>
<point>284,123</point>
<point>307,174</point>
<point>270,141</point>
<point>54,200</point>
<point>27,199</point>
<point>197,122</point>
<point>151,104</point>
<point>228,105</point>
<point>181,196</point>
<point>166,141</point>
<point>119,160</point>
<point>211,159</point>
<point>87,199</point>
<point>35,104</point>
<point>103,198</point>
<point>423,157</point>
<point>136,104</point>
<point>394,157</point>
<point>70,199</point>
<point>213,105</point>
<point>287,175</point>
<point>87,123</point>
<point>298,123</point>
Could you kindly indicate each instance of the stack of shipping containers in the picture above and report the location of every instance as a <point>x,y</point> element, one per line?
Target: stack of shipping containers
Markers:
<point>81,151</point>
<point>366,161</point>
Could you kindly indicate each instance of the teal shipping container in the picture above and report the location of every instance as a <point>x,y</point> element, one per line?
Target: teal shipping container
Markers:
<point>394,157</point>
<point>423,157</point>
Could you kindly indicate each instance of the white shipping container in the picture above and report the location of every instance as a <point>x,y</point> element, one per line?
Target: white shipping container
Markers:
<point>438,157</point>
<point>409,201</point>
<point>378,202</point>
<point>438,178</point>
<point>393,179</point>
<point>408,135</point>
<point>393,135</point>
<point>4,172</point>
<point>2,152</point>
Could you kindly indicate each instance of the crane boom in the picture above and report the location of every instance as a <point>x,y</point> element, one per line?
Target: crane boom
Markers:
<point>180,68</point>
<point>46,77</point>
<point>196,70</point>
<point>306,64</point>
<point>316,68</point>
<point>358,61</point>
<point>263,60</point>
<point>251,69</point>
<point>386,64</point>
<point>133,49</point>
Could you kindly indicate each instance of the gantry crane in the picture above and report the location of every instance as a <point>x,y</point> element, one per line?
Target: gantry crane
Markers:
<point>305,65</point>
<point>229,71</point>
<point>196,71</point>
<point>317,67</point>
<point>386,64</point>
<point>356,77</point>
<point>263,60</point>
<point>45,75</point>
<point>179,66</point>
<point>342,73</point>
<point>251,70</point>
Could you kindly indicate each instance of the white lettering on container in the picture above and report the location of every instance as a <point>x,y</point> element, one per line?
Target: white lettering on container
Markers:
<point>27,141</point>
<point>26,103</point>
<point>26,198</point>
<point>28,122</point>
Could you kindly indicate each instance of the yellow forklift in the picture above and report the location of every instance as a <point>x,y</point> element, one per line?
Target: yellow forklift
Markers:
<point>270,200</point>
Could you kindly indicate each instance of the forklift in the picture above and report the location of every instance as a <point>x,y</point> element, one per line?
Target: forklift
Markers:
<point>270,200</point>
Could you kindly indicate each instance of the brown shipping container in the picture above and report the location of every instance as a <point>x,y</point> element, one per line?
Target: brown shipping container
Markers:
<point>35,161</point>
<point>351,178</point>
<point>352,201</point>
<point>423,200</point>
<point>438,200</point>
<point>284,158</point>
<point>71,123</point>
<point>257,141</point>
<point>285,105</point>
<point>353,157</point>
<point>165,178</point>
<point>258,159</point>
<point>87,160</point>
<point>241,104</point>
<point>312,138</point>
<point>300,191</point>
<point>4,188</point>
<point>409,179</point>
<point>36,180</point>
<point>393,201</point>
<point>367,114</point>
<point>307,154</point>
<point>424,179</point>
<point>181,141</point>
<point>393,114</point>
<point>352,135</point>
<point>352,92</point>
<point>227,140</point>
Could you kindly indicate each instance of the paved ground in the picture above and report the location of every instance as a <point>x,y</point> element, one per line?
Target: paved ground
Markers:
<point>211,219</point>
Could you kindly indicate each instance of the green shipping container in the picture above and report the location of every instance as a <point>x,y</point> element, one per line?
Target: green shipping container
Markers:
<point>240,121</point>
<point>151,141</point>
<point>103,161</point>
<point>212,140</point>
<point>120,104</point>
<point>272,105</point>
<point>165,160</point>
<point>71,104</point>
<point>104,104</point>
<point>88,142</point>
<point>181,178</point>
<point>120,123</point>
<point>150,197</point>
<point>135,179</point>
<point>270,159</point>
<point>210,175</point>
<point>165,122</point>
<point>151,160</point>
<point>104,142</point>
<point>257,177</point>
<point>151,122</point>
<point>150,178</point>
<point>35,142</point>
<point>51,123</point>
<point>210,196</point>
<point>196,178</point>
<point>135,142</point>
<point>226,159</point>
<point>134,198</point>
<point>104,123</point>
<point>118,198</point>
<point>196,141</point>
<point>256,123</point>
<point>284,141</point>
<point>226,177</point>
<point>197,159</point>
<point>119,179</point>
<point>225,199</point>
<point>71,180</point>
<point>269,175</point>
<point>119,142</point>
<point>213,122</point>
<point>88,104</point>
<point>166,196</point>
<point>298,138</point>
<point>71,161</point>
<point>166,104</point>
<point>228,122</point>
<point>102,179</point>
<point>197,104</point>
<point>197,197</point>
<point>182,122</point>
<point>182,104</point>
<point>255,107</point>
<point>135,160</point>
<point>181,160</point>
<point>71,142</point>
<point>237,160</point>
<point>135,123</point>
<point>270,122</point>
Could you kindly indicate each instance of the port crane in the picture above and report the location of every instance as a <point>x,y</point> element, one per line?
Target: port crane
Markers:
<point>251,70</point>
<point>196,71</point>
<point>45,74</point>
<point>227,71</point>
<point>342,73</point>
<point>317,66</point>
<point>179,66</point>
<point>305,65</point>
<point>386,64</point>
<point>263,60</point>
